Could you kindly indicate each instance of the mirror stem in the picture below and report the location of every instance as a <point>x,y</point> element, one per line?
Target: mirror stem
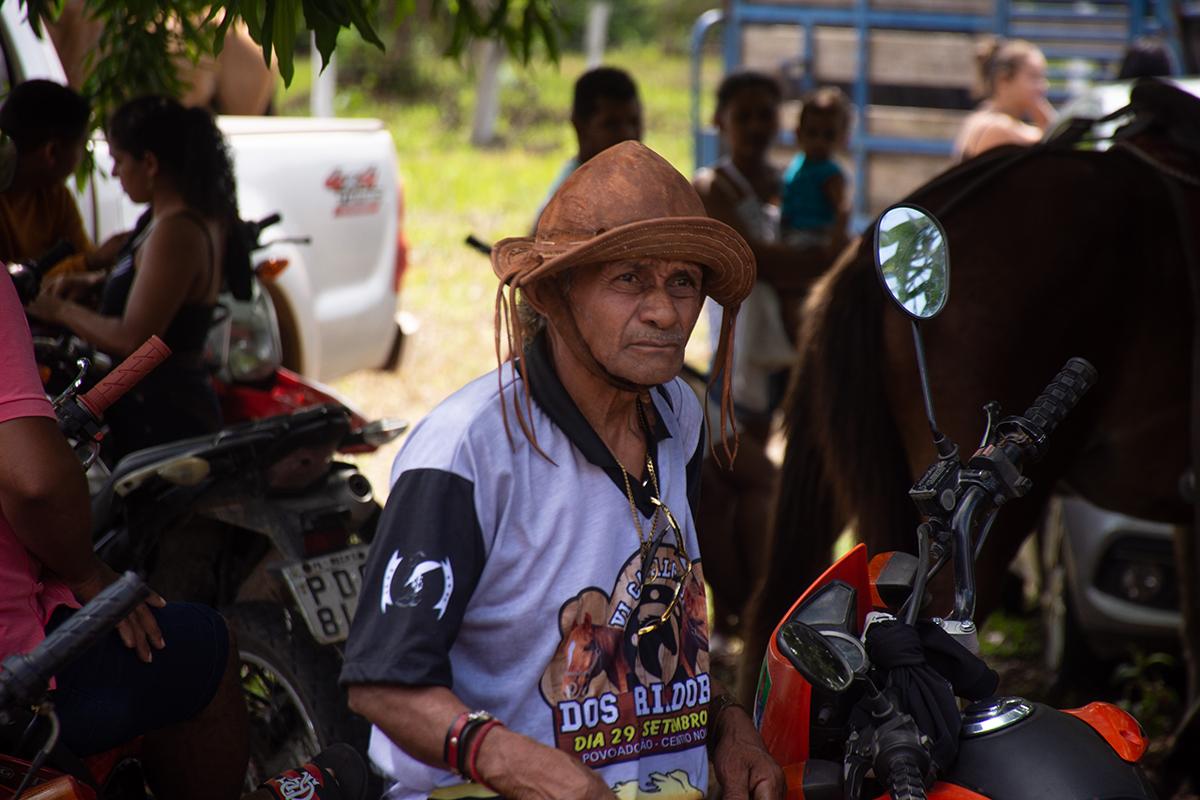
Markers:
<point>945,447</point>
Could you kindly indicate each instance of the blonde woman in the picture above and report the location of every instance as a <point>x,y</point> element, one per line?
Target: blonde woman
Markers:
<point>1015,109</point>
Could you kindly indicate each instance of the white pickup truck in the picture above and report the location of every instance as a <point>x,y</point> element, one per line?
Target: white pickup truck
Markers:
<point>334,180</point>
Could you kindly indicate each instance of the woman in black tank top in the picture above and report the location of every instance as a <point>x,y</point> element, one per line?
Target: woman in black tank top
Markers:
<point>167,276</point>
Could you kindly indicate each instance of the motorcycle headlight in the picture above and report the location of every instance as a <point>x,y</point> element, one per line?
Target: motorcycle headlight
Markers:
<point>255,351</point>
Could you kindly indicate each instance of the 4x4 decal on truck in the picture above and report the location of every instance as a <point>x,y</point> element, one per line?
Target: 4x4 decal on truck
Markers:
<point>358,192</point>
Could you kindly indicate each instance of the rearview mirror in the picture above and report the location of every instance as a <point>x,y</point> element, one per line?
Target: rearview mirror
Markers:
<point>913,260</point>
<point>814,657</point>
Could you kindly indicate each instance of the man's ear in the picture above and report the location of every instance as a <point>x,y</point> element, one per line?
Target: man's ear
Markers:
<point>151,162</point>
<point>535,295</point>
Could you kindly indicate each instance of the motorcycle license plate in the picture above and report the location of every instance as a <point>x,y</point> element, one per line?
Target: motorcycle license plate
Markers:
<point>326,589</point>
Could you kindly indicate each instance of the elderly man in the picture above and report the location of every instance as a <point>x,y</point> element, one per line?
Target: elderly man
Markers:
<point>533,619</point>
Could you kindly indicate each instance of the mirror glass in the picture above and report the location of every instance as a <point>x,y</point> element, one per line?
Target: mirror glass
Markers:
<point>913,261</point>
<point>814,657</point>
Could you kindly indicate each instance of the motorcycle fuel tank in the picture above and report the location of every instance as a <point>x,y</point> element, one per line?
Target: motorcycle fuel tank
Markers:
<point>1014,749</point>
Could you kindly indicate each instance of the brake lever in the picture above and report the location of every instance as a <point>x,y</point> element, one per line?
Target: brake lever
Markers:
<point>992,410</point>
<point>84,366</point>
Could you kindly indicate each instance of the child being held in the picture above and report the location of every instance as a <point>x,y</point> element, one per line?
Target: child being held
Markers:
<point>814,209</point>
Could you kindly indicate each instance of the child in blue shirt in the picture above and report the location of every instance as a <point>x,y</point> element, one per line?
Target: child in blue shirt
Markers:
<point>814,210</point>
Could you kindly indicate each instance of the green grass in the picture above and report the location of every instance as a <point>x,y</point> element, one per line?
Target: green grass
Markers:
<point>452,189</point>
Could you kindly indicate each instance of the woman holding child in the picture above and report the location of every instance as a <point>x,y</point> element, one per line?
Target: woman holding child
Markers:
<point>743,190</point>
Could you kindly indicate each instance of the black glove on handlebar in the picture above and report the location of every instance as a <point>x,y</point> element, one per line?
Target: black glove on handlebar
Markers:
<point>919,687</point>
<point>969,675</point>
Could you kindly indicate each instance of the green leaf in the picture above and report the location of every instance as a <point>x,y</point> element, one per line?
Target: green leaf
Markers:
<point>285,37</point>
<point>362,23</point>
<point>219,35</point>
<point>268,30</point>
<point>551,31</point>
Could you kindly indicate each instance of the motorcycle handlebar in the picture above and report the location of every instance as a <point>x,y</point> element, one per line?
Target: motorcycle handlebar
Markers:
<point>23,676</point>
<point>126,375</point>
<point>1061,395</point>
<point>476,243</point>
<point>268,221</point>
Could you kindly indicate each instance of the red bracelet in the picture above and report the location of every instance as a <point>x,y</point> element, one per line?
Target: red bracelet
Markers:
<point>454,738</point>
<point>473,752</point>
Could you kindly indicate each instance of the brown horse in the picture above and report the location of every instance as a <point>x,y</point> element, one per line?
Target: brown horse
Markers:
<point>591,649</point>
<point>1055,252</point>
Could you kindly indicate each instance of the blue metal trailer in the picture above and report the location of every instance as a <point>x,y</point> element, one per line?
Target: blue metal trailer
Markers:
<point>845,42</point>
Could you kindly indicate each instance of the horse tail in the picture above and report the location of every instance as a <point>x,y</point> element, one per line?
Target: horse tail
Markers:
<point>844,458</point>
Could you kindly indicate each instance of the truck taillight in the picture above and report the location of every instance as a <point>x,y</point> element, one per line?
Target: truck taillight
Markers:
<point>401,262</point>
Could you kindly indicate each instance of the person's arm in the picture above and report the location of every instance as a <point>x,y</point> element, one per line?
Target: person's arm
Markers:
<point>784,267</point>
<point>417,718</point>
<point>173,258</point>
<point>743,765</point>
<point>44,498</point>
<point>105,255</point>
<point>1042,114</point>
<point>835,193</point>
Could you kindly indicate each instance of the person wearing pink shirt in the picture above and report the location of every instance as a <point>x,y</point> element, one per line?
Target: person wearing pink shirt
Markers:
<point>169,673</point>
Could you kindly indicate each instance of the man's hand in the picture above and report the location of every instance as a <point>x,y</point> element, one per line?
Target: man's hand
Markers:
<point>139,631</point>
<point>743,765</point>
<point>522,769</point>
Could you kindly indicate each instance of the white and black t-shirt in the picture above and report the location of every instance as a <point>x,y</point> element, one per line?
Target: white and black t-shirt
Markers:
<point>516,581</point>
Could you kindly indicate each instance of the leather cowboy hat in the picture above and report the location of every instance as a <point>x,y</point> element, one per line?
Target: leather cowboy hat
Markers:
<point>628,202</point>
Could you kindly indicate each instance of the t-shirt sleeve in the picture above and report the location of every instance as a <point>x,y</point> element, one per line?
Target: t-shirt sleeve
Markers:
<point>21,392</point>
<point>423,567</point>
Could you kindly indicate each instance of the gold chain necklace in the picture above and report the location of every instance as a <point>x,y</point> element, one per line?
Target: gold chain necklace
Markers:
<point>644,538</point>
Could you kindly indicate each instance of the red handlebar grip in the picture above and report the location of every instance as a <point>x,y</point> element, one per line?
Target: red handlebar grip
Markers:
<point>125,376</point>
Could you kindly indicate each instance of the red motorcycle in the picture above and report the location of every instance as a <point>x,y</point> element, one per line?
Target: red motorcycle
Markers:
<point>859,698</point>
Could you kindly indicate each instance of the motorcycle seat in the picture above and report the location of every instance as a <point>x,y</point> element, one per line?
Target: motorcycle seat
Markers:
<point>256,433</point>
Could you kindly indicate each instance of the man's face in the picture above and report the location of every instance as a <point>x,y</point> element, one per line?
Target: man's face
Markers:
<point>636,315</point>
<point>612,122</point>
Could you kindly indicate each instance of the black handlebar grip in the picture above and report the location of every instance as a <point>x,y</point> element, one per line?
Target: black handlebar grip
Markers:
<point>476,243</point>
<point>23,676</point>
<point>1061,395</point>
<point>904,779</point>
<point>268,221</point>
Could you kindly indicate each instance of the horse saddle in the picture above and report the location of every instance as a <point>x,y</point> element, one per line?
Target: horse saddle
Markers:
<point>1166,109</point>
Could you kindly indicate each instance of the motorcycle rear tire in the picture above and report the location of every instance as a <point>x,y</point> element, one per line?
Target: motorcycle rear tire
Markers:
<point>291,685</point>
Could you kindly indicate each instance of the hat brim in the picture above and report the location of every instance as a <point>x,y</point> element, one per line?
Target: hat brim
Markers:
<point>701,240</point>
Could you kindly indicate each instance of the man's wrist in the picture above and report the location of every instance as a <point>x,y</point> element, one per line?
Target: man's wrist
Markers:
<point>717,708</point>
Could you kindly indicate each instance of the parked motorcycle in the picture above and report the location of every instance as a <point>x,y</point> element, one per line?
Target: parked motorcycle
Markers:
<point>857,696</point>
<point>261,522</point>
